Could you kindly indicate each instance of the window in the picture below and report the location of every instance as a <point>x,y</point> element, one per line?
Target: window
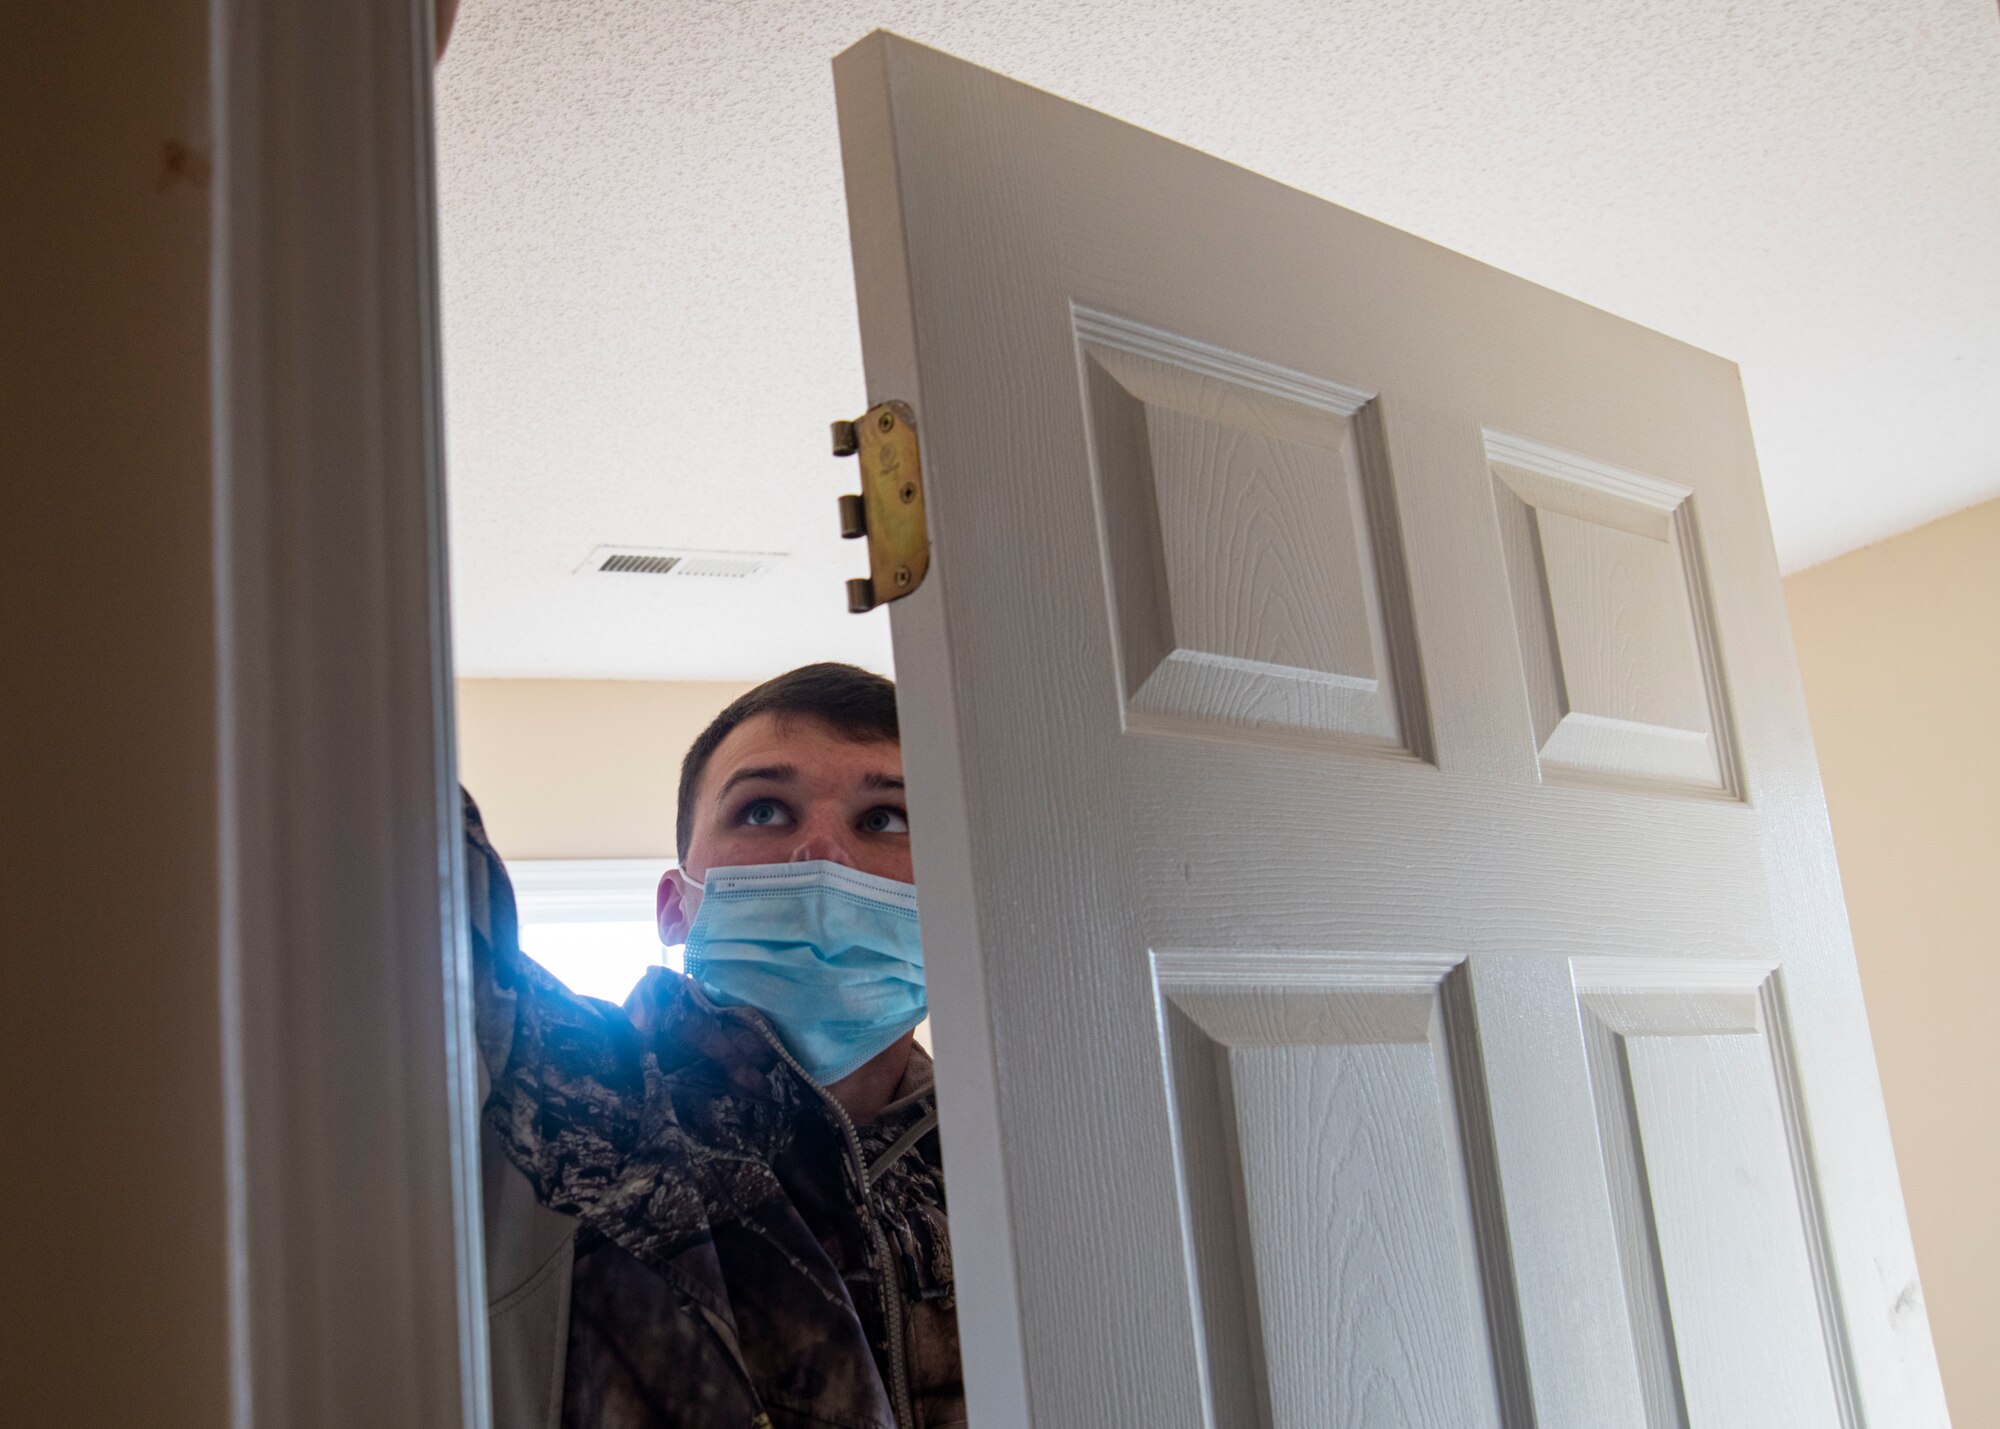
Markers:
<point>590,921</point>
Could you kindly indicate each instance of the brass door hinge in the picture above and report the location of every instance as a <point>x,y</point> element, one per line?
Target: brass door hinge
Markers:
<point>890,509</point>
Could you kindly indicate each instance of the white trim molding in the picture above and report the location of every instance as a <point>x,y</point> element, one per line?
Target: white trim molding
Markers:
<point>585,890</point>
<point>357,1293</point>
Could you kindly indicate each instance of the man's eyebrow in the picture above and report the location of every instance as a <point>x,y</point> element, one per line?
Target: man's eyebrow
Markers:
<point>777,772</point>
<point>881,781</point>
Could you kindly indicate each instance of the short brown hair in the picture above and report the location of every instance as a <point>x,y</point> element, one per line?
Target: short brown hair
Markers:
<point>847,699</point>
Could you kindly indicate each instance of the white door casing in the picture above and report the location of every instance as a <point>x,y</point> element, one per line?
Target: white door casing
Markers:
<point>350,1100</point>
<point>1388,960</point>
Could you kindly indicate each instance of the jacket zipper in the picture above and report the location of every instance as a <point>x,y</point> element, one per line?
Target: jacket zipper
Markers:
<point>888,1279</point>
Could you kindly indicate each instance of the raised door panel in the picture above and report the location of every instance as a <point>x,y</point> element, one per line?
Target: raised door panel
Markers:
<point>1330,1126</point>
<point>1251,544</point>
<point>1724,1255</point>
<point>1611,605</point>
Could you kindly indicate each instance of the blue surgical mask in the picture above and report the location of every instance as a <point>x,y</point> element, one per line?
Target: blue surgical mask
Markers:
<point>829,954</point>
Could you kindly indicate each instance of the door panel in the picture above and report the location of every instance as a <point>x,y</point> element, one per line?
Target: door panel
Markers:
<point>1248,524</point>
<point>1319,1103</point>
<point>1385,953</point>
<point>1724,1256</point>
<point>1610,599</point>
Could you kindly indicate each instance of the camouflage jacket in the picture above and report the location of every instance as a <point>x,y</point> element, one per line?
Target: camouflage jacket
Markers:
<point>683,1230</point>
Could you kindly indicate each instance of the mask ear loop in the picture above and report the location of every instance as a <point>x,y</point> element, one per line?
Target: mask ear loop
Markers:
<point>690,951</point>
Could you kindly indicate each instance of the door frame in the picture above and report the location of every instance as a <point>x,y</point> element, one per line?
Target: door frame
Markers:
<point>355,1255</point>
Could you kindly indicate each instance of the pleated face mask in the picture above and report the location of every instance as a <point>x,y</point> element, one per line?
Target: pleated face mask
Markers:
<point>829,954</point>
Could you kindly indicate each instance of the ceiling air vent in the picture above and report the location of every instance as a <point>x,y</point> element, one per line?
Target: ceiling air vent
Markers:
<point>678,565</point>
<point>639,565</point>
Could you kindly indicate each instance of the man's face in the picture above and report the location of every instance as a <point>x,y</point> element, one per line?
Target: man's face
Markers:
<point>785,789</point>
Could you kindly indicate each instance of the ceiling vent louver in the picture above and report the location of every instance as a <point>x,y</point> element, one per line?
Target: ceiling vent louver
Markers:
<point>637,564</point>
<point>680,565</point>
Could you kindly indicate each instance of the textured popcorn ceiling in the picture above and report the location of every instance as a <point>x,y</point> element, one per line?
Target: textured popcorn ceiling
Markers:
<point>649,309</point>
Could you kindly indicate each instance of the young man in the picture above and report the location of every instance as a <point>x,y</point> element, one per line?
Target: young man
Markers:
<point>722,1204</point>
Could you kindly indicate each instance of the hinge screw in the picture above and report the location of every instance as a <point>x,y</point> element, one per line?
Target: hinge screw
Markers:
<point>886,421</point>
<point>908,492</point>
<point>902,576</point>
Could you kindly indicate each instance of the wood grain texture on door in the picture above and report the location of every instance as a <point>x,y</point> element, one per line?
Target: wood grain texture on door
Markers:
<point>1337,1182</point>
<point>1617,640</point>
<point>1383,938</point>
<point>1721,1237</point>
<point>1251,542</point>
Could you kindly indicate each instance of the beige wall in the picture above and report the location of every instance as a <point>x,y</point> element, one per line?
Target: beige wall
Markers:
<point>1899,644</point>
<point>112,1209</point>
<point>580,768</point>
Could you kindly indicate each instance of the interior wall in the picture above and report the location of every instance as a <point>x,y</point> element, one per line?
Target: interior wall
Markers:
<point>581,768</point>
<point>113,1296</point>
<point>1899,645</point>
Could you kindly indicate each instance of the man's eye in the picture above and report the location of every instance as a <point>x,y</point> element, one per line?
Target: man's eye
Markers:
<point>885,821</point>
<point>764,814</point>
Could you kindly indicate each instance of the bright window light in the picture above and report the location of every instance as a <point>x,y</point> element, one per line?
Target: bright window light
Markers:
<point>590,921</point>
<point>597,959</point>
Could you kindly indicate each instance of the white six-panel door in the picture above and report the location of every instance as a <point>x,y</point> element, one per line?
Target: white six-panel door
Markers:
<point>1388,962</point>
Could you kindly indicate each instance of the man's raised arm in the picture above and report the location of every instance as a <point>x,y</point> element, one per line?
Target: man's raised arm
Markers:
<point>564,1074</point>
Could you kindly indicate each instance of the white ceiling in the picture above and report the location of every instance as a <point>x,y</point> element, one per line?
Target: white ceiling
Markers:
<point>649,312</point>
